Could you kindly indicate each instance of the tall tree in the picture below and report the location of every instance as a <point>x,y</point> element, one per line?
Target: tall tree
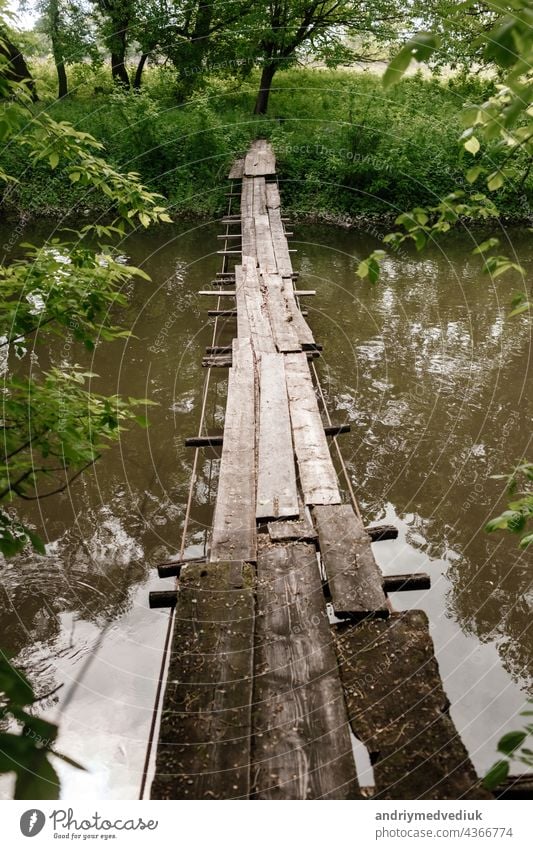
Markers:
<point>283,30</point>
<point>52,14</point>
<point>117,18</point>
<point>14,65</point>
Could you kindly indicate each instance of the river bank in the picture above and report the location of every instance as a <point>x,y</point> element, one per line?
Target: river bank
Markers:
<point>348,151</point>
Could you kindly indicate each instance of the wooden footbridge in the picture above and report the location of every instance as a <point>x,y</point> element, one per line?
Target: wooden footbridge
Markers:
<point>285,646</point>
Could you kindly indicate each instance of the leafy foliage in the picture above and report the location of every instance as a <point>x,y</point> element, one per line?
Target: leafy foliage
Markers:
<point>519,513</point>
<point>52,424</point>
<point>512,747</point>
<point>28,752</point>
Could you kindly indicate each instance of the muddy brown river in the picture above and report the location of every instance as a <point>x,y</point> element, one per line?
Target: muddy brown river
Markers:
<point>435,381</point>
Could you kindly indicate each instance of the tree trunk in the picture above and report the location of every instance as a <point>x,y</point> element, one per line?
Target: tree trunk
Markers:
<point>62,82</point>
<point>57,50</point>
<point>118,56</point>
<point>17,70</point>
<point>261,103</point>
<point>139,72</point>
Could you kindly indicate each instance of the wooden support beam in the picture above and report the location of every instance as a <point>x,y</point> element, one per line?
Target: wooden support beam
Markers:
<point>204,441</point>
<point>222,313</point>
<point>406,583</point>
<point>162,598</point>
<point>354,578</point>
<point>204,740</point>
<point>377,533</point>
<point>336,430</point>
<point>173,567</point>
<point>216,439</point>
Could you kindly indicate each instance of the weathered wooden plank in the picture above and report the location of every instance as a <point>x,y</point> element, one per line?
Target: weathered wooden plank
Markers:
<point>234,528</point>
<point>260,160</point>
<point>204,741</point>
<point>399,710</point>
<point>279,241</point>
<point>302,529</point>
<point>317,472</point>
<point>301,744</point>
<point>259,325</point>
<point>354,578</point>
<point>247,198</point>
<point>243,324</point>
<point>284,334</point>
<point>303,331</point>
<point>259,199</point>
<point>266,258</point>
<point>248,237</point>
<point>277,494</point>
<point>237,170</point>
<point>272,196</point>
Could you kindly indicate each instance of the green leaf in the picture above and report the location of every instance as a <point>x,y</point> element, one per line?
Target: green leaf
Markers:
<point>74,176</point>
<point>397,67</point>
<point>362,269</point>
<point>496,775</point>
<point>37,779</point>
<point>512,741</point>
<point>486,246</point>
<point>473,173</point>
<point>53,159</point>
<point>472,145</point>
<point>495,181</point>
<point>14,684</point>
<point>526,540</point>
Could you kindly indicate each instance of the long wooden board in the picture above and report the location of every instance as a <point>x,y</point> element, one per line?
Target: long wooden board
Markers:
<point>272,196</point>
<point>354,578</point>
<point>243,325</point>
<point>247,198</point>
<point>301,742</point>
<point>317,472</point>
<point>204,741</point>
<point>279,241</point>
<point>260,331</point>
<point>266,258</point>
<point>284,334</point>
<point>260,160</point>
<point>259,202</point>
<point>277,494</point>
<point>302,329</point>
<point>399,710</point>
<point>234,528</point>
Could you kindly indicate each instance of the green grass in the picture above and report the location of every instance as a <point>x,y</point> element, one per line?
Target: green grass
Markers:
<point>345,146</point>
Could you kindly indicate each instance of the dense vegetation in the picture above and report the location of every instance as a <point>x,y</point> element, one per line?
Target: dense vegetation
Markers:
<point>346,146</point>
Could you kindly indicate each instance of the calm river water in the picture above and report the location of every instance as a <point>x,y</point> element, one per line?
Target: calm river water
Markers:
<point>435,382</point>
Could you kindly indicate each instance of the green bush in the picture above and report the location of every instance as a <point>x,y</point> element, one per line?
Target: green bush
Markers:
<point>345,146</point>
